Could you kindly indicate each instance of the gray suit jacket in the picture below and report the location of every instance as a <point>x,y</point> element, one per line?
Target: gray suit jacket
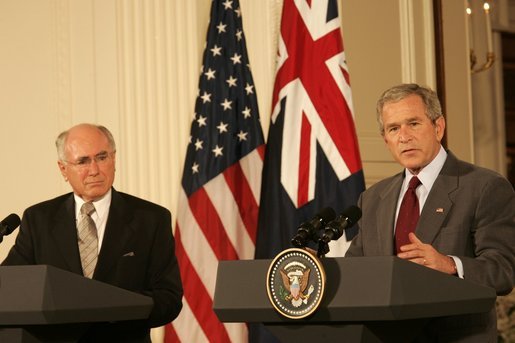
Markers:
<point>469,213</point>
<point>137,253</point>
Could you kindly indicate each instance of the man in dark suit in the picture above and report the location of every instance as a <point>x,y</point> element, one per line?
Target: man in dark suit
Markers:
<point>467,213</point>
<point>133,246</point>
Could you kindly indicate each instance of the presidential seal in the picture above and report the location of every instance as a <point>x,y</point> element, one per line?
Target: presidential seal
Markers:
<point>295,283</point>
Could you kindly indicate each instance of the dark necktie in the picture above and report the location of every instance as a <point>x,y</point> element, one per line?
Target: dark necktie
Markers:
<point>408,215</point>
<point>88,241</point>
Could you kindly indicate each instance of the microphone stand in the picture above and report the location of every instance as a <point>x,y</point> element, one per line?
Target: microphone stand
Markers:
<point>323,248</point>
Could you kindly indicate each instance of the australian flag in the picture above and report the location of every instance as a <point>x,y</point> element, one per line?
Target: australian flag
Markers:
<point>312,158</point>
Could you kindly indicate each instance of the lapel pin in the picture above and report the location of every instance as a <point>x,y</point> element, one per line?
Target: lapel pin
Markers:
<point>439,210</point>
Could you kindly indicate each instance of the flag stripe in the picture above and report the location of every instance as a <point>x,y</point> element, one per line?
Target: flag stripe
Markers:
<point>227,210</point>
<point>304,161</point>
<point>196,246</point>
<point>211,225</point>
<point>185,327</point>
<point>171,333</point>
<point>237,332</point>
<point>252,165</point>
<point>245,201</point>
<point>198,297</point>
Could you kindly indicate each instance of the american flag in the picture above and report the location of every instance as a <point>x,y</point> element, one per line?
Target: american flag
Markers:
<point>219,201</point>
<point>312,155</point>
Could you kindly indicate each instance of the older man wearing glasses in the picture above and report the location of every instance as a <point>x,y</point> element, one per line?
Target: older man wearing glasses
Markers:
<point>103,234</point>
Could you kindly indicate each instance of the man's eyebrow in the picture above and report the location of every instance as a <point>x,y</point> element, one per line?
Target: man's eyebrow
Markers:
<point>406,120</point>
<point>103,152</point>
<point>388,125</point>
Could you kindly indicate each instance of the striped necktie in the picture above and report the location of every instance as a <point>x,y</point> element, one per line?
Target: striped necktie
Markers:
<point>88,240</point>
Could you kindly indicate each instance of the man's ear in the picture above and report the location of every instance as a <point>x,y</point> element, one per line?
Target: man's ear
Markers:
<point>440,127</point>
<point>62,169</point>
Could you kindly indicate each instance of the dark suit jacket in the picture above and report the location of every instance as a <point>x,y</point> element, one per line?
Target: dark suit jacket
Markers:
<point>469,213</point>
<point>137,253</point>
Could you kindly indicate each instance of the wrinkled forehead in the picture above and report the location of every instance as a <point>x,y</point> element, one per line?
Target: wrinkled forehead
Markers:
<point>86,142</point>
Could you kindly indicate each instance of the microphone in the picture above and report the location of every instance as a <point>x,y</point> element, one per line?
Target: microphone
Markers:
<point>308,230</point>
<point>8,225</point>
<point>335,228</point>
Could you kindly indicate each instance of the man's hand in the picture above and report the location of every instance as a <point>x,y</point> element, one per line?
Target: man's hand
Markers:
<point>426,255</point>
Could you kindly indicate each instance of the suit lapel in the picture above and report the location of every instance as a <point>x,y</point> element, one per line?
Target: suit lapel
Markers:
<point>64,232</point>
<point>385,215</point>
<point>439,201</point>
<point>117,234</point>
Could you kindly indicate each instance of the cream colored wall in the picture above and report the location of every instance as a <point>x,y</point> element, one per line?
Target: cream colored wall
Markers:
<point>460,131</point>
<point>386,43</point>
<point>31,101</point>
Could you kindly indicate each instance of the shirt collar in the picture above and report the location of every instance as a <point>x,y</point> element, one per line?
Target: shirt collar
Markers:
<point>429,173</point>
<point>101,205</point>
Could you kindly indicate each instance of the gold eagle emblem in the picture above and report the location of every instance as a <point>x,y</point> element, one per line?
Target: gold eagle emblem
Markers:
<point>295,281</point>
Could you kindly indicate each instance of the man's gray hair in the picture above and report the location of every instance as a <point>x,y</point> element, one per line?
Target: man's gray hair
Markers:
<point>61,140</point>
<point>402,91</point>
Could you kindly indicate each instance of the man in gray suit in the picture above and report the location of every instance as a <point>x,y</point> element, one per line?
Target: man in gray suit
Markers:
<point>467,213</point>
<point>133,246</point>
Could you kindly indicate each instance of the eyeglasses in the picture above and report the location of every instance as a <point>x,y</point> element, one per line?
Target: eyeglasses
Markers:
<point>85,162</point>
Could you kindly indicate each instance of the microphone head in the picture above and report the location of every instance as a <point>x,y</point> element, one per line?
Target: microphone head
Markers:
<point>326,215</point>
<point>346,219</point>
<point>307,231</point>
<point>353,214</point>
<point>10,223</point>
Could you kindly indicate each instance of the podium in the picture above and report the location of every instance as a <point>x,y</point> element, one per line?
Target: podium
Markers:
<point>41,303</point>
<point>367,299</point>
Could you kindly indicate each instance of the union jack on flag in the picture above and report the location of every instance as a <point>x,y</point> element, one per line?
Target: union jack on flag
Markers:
<point>219,201</point>
<point>312,156</point>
